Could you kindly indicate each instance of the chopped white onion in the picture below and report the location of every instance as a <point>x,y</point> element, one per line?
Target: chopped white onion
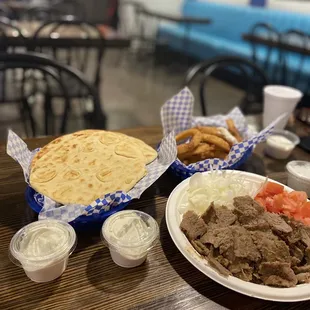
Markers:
<point>218,187</point>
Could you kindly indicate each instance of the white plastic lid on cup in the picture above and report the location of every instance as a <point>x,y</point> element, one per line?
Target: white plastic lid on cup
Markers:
<point>129,234</point>
<point>279,99</point>
<point>281,143</point>
<point>299,175</point>
<point>42,248</point>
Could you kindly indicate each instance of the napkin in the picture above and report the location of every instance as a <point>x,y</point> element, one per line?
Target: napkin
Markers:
<point>18,150</point>
<point>177,116</point>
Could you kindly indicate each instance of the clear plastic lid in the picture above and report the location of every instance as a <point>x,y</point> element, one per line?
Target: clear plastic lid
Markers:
<point>130,229</point>
<point>42,243</point>
<point>287,134</point>
<point>300,169</point>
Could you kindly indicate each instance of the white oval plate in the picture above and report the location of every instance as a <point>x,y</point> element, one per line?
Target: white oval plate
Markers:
<point>173,219</point>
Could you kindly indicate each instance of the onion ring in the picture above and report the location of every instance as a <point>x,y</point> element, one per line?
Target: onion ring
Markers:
<point>233,130</point>
<point>220,132</point>
<point>209,130</point>
<point>220,154</point>
<point>202,150</point>
<point>217,141</point>
<point>195,136</point>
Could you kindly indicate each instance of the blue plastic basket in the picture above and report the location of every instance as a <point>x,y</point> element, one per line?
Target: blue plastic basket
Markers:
<point>182,173</point>
<point>83,222</point>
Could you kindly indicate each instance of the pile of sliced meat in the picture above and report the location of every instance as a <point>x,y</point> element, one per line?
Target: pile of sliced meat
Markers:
<point>251,244</point>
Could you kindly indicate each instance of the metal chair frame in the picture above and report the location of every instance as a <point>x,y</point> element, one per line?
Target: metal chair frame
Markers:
<point>51,68</point>
<point>208,67</point>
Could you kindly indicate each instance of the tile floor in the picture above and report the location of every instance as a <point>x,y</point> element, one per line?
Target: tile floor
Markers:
<point>132,93</point>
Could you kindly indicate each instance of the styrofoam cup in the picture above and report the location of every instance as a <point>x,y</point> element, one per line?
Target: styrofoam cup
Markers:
<point>278,100</point>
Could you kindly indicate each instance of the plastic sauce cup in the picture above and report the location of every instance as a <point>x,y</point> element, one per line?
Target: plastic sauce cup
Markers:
<point>43,248</point>
<point>299,175</point>
<point>276,149</point>
<point>129,235</point>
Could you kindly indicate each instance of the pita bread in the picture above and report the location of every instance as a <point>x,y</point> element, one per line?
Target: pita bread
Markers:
<point>86,165</point>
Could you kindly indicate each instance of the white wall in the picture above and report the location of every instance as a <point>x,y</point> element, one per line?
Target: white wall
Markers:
<point>290,5</point>
<point>128,20</point>
<point>166,6</point>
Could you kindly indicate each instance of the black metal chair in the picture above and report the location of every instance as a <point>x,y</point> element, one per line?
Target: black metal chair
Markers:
<point>270,33</point>
<point>6,25</point>
<point>12,81</point>
<point>51,70</point>
<point>248,72</point>
<point>42,13</point>
<point>78,57</point>
<point>69,7</point>
<point>302,40</point>
<point>5,11</point>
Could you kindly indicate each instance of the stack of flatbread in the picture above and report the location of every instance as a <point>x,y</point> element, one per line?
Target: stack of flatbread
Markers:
<point>86,165</point>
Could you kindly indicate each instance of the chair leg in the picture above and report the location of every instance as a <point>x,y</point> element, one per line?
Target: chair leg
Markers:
<point>47,112</point>
<point>23,117</point>
<point>65,116</point>
<point>202,101</point>
<point>27,108</point>
<point>96,120</point>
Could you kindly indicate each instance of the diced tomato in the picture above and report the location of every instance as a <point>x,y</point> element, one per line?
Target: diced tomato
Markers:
<point>277,203</point>
<point>287,213</point>
<point>306,204</point>
<point>298,196</point>
<point>305,210</point>
<point>273,188</point>
<point>294,204</point>
<point>306,221</point>
<point>273,197</point>
<point>269,204</point>
<point>261,201</point>
<point>290,204</point>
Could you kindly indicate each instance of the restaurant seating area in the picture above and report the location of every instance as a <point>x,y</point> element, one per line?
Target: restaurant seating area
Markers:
<point>225,35</point>
<point>136,43</point>
<point>154,154</point>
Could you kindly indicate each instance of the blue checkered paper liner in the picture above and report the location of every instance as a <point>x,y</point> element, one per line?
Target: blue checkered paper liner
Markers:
<point>19,151</point>
<point>177,116</point>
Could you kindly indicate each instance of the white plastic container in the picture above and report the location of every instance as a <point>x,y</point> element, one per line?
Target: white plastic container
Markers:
<point>279,99</point>
<point>299,175</point>
<point>281,143</point>
<point>129,234</point>
<point>43,248</point>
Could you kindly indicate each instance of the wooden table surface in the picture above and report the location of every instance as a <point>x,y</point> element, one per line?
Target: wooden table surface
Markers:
<point>66,35</point>
<point>92,281</point>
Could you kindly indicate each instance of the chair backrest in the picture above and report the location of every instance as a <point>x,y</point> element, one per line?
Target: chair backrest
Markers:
<point>5,11</point>
<point>6,26</point>
<point>266,53</point>
<point>69,7</point>
<point>82,58</point>
<point>230,21</point>
<point>42,13</point>
<point>252,74</point>
<point>52,69</point>
<point>302,40</point>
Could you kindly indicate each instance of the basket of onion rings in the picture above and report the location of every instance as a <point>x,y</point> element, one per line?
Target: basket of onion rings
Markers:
<point>208,143</point>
